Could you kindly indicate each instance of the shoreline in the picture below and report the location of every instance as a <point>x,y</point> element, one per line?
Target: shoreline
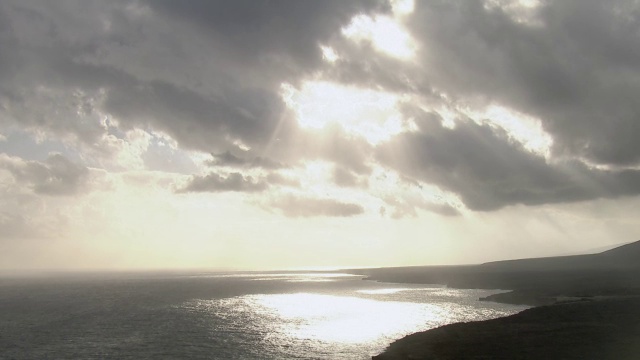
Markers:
<point>605,328</point>
<point>584,313</point>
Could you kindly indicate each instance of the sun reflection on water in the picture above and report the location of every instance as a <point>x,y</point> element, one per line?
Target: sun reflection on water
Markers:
<point>343,319</point>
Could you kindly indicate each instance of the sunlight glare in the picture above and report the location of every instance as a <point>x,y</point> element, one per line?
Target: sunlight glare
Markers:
<point>406,196</point>
<point>402,7</point>
<point>329,54</point>
<point>345,319</point>
<point>384,291</point>
<point>385,34</point>
<point>523,12</point>
<point>370,114</point>
<point>523,128</point>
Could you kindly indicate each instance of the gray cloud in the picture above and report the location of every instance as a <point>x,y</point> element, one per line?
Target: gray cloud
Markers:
<point>216,183</point>
<point>488,171</point>
<point>405,208</point>
<point>208,74</point>
<point>140,57</point>
<point>574,66</point>
<point>280,35</point>
<point>576,71</point>
<point>57,175</point>
<point>275,178</point>
<point>346,178</point>
<point>329,144</point>
<point>228,159</point>
<point>294,206</point>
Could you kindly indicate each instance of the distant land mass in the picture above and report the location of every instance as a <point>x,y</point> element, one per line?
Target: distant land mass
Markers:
<point>589,308</point>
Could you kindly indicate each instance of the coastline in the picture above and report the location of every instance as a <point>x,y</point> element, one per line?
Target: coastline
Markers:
<point>605,328</point>
<point>583,307</point>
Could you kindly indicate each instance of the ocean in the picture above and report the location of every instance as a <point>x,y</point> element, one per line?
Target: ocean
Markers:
<point>301,315</point>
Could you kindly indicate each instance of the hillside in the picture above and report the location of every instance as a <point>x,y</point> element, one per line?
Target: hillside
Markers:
<point>533,281</point>
<point>607,329</point>
<point>623,257</point>
<point>592,312</point>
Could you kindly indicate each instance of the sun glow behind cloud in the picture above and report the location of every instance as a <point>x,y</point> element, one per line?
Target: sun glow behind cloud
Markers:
<point>523,12</point>
<point>329,54</point>
<point>523,128</point>
<point>385,33</point>
<point>402,7</point>
<point>367,113</point>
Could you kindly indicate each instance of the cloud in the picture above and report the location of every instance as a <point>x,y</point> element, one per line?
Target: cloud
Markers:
<point>275,178</point>
<point>283,35</point>
<point>346,178</point>
<point>57,175</point>
<point>488,171</point>
<point>409,197</point>
<point>234,182</point>
<point>575,71</point>
<point>571,64</point>
<point>294,206</point>
<point>329,144</point>
<point>228,159</point>
<point>208,75</point>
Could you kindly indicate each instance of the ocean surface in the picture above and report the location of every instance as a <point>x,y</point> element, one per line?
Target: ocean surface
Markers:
<point>222,315</point>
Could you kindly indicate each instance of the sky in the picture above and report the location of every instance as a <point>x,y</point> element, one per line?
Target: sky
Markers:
<point>278,134</point>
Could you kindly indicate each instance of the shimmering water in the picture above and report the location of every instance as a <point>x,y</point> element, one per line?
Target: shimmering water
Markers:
<point>222,316</point>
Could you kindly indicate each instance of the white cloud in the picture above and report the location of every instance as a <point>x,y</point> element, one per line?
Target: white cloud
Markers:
<point>385,33</point>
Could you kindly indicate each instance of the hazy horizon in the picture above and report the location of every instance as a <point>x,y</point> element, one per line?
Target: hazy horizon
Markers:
<point>289,134</point>
<point>72,271</point>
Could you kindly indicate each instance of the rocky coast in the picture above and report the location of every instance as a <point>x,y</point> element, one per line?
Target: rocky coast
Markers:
<point>585,307</point>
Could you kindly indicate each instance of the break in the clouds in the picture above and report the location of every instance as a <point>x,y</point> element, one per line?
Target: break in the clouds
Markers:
<point>347,109</point>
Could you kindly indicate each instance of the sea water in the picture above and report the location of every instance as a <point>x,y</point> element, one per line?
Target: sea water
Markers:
<point>222,315</point>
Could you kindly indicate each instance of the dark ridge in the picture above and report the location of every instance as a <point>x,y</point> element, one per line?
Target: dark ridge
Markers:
<point>603,330</point>
<point>593,308</point>
<point>622,257</point>
<point>607,271</point>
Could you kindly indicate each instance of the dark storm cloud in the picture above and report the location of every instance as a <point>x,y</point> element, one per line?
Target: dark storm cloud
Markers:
<point>57,175</point>
<point>234,182</point>
<point>489,171</point>
<point>294,206</point>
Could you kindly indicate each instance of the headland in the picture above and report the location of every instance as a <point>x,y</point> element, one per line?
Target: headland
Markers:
<point>585,307</point>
